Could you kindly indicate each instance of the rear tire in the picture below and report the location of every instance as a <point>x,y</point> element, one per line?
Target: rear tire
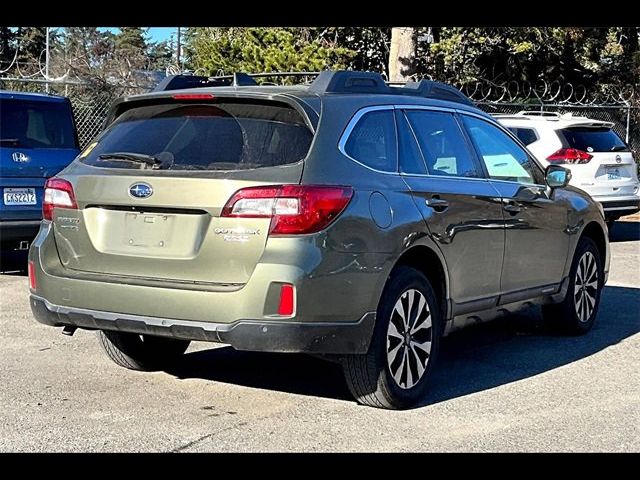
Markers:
<point>394,373</point>
<point>576,314</point>
<point>141,352</point>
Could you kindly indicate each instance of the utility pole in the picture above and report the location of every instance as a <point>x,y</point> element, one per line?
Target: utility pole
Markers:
<point>402,54</point>
<point>178,51</point>
<point>46,63</point>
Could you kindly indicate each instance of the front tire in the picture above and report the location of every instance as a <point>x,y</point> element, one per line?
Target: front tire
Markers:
<point>394,373</point>
<point>141,352</point>
<point>576,314</point>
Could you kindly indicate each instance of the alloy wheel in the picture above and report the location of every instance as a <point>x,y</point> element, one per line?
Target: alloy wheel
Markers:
<point>586,287</point>
<point>409,337</point>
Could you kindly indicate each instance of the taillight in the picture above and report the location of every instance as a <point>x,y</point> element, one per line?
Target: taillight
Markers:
<point>57,193</point>
<point>293,209</point>
<point>569,155</point>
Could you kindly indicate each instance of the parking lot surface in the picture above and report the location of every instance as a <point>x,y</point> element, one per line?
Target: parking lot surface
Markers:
<point>510,385</point>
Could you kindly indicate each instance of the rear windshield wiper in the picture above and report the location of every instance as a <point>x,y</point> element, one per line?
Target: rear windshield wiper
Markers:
<point>619,148</point>
<point>154,162</point>
<point>12,141</point>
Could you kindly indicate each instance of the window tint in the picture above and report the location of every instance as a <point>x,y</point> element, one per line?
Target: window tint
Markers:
<point>221,136</point>
<point>37,124</point>
<point>411,160</point>
<point>590,139</point>
<point>504,158</point>
<point>373,141</point>
<point>525,135</point>
<point>443,146</point>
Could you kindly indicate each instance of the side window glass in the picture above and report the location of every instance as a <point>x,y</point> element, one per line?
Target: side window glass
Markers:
<point>504,158</point>
<point>525,135</point>
<point>373,141</point>
<point>411,160</point>
<point>443,145</point>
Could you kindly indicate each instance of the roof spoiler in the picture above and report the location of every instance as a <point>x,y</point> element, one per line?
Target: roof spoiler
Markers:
<point>179,82</point>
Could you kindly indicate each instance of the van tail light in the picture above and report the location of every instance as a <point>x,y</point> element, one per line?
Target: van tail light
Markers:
<point>569,155</point>
<point>293,209</point>
<point>57,193</point>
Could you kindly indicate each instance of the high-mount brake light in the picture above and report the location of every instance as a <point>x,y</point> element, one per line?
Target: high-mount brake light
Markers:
<point>193,96</point>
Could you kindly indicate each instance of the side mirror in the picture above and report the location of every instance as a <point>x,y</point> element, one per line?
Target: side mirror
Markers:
<point>557,177</point>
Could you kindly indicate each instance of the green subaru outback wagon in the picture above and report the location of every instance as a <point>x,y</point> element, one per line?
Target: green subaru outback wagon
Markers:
<point>347,218</point>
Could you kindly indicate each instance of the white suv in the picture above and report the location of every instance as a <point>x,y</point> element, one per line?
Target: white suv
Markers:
<point>601,163</point>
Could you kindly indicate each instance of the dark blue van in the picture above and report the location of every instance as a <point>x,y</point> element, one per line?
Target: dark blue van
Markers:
<point>38,138</point>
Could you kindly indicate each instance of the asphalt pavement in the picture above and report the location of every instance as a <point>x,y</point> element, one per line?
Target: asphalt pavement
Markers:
<point>510,385</point>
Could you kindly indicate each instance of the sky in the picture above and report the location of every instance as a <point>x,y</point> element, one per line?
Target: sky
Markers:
<point>155,34</point>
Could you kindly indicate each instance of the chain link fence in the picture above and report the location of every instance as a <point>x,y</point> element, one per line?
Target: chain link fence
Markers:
<point>91,106</point>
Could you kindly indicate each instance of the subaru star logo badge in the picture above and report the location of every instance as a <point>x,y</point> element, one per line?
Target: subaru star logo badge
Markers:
<point>19,157</point>
<point>140,190</point>
<point>618,158</point>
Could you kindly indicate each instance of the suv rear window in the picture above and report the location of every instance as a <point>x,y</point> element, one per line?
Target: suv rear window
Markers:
<point>228,135</point>
<point>589,139</point>
<point>36,124</point>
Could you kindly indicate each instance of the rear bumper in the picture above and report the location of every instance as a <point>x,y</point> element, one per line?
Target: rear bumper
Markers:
<point>251,335</point>
<point>15,230</point>
<point>619,205</point>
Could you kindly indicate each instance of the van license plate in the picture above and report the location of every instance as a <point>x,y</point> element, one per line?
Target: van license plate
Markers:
<point>19,196</point>
<point>613,173</point>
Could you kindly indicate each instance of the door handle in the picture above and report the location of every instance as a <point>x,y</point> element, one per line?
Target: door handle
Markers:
<point>512,208</point>
<point>438,204</point>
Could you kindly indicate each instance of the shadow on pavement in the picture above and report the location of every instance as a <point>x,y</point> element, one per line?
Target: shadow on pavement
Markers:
<point>13,262</point>
<point>472,360</point>
<point>625,232</point>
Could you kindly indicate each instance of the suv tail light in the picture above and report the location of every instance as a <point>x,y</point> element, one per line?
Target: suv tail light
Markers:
<point>57,193</point>
<point>569,155</point>
<point>293,209</point>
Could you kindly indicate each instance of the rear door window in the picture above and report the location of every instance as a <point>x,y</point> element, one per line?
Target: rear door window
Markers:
<point>36,124</point>
<point>442,143</point>
<point>372,141</point>
<point>590,139</point>
<point>223,136</point>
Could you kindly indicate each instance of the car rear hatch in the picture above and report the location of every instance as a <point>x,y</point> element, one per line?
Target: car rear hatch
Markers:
<point>163,221</point>
<point>37,140</point>
<point>609,167</point>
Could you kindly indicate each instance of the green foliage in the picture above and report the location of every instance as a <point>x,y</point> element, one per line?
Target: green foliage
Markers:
<point>160,55</point>
<point>588,56</point>
<point>261,50</point>
<point>131,39</point>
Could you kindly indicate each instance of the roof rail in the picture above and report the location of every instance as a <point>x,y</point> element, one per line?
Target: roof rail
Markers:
<point>369,82</point>
<point>341,81</point>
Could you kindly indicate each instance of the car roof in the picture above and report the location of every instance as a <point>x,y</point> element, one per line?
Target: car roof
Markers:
<point>43,97</point>
<point>304,93</point>
<point>551,120</point>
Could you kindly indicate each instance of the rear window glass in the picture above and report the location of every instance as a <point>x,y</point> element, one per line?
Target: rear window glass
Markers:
<point>590,139</point>
<point>221,136</point>
<point>36,124</point>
